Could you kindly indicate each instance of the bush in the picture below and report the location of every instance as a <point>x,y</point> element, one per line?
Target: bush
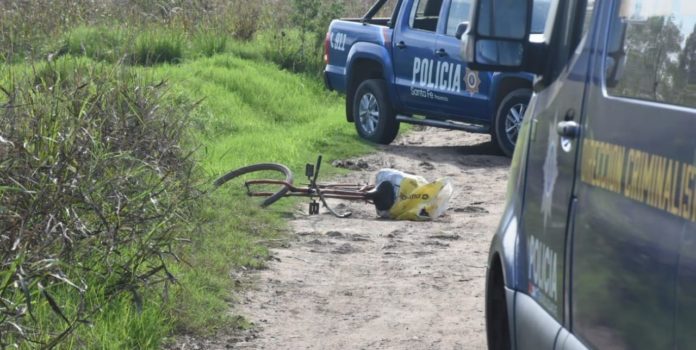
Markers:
<point>158,46</point>
<point>208,44</point>
<point>245,17</point>
<point>99,43</point>
<point>94,191</point>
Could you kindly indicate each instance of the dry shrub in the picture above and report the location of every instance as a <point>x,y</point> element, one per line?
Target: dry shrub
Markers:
<point>245,18</point>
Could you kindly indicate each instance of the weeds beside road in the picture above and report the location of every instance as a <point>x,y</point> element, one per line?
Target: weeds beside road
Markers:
<point>112,127</point>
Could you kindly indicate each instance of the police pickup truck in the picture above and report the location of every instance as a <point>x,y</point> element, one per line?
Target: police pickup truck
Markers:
<point>408,68</point>
<point>597,244</point>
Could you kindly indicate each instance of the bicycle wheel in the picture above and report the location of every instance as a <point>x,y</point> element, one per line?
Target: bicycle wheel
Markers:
<point>263,167</point>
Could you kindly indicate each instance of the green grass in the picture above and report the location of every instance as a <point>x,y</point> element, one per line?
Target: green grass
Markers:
<point>111,136</point>
<point>98,43</point>
<point>252,112</point>
<point>208,43</point>
<point>120,325</point>
<point>158,46</point>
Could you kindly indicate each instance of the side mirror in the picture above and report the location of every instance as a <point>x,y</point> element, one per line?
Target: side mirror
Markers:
<point>499,35</point>
<point>461,29</point>
<point>616,54</point>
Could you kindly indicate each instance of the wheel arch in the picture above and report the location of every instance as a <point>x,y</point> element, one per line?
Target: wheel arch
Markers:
<point>505,84</point>
<point>367,61</point>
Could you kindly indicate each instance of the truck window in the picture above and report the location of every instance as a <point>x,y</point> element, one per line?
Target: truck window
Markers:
<point>459,11</point>
<point>652,51</point>
<point>425,14</point>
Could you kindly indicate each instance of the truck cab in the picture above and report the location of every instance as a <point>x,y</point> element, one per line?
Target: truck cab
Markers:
<point>596,248</point>
<point>408,69</point>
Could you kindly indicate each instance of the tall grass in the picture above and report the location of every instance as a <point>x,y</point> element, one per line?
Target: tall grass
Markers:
<point>99,43</point>
<point>152,32</point>
<point>207,43</point>
<point>158,46</point>
<point>94,191</point>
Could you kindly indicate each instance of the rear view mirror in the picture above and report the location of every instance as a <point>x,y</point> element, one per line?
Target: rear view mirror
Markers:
<point>616,53</point>
<point>498,35</point>
<point>461,29</point>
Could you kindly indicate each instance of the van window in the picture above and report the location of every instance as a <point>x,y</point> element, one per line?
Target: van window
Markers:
<point>652,51</point>
<point>425,14</point>
<point>459,11</point>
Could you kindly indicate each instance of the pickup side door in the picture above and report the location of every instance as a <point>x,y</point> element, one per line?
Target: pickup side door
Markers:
<point>463,91</point>
<point>635,210</point>
<point>413,54</point>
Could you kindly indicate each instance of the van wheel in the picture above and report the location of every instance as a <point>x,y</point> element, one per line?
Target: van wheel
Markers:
<point>497,321</point>
<point>508,120</point>
<point>373,115</point>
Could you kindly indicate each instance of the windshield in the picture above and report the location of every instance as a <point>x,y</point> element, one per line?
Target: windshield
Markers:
<point>539,15</point>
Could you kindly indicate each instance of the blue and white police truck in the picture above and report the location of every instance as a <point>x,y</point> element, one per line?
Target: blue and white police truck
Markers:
<point>408,69</point>
<point>597,245</point>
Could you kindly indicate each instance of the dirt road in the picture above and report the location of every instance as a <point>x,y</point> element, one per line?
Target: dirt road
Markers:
<point>363,283</point>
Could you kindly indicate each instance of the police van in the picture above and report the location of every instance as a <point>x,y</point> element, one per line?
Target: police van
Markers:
<point>597,245</point>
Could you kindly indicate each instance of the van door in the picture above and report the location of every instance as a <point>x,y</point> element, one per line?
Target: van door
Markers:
<point>556,113</point>
<point>635,208</point>
<point>413,54</point>
<point>463,92</point>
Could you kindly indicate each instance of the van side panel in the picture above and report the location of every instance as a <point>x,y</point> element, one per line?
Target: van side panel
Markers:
<point>630,222</point>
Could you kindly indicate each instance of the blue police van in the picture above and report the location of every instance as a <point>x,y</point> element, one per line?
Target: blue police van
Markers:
<point>597,245</point>
<point>407,68</point>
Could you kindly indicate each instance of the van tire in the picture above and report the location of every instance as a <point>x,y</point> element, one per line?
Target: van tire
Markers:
<point>373,115</point>
<point>497,321</point>
<point>508,119</point>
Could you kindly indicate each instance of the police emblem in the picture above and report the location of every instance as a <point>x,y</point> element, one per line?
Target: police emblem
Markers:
<point>473,82</point>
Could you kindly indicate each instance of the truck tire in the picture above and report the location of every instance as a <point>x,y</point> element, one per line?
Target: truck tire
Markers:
<point>508,119</point>
<point>374,117</point>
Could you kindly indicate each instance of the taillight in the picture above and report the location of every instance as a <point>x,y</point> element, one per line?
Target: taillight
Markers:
<point>327,44</point>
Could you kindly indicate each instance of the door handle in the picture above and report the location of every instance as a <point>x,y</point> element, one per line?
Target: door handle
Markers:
<point>568,129</point>
<point>401,45</point>
<point>441,53</point>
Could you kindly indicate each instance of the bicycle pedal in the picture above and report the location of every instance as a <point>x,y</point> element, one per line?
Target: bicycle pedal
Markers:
<point>314,208</point>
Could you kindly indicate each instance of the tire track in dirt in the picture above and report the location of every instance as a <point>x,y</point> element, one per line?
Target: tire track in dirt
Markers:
<point>365,283</point>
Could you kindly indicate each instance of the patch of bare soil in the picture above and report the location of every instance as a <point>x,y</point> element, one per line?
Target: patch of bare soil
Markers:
<point>365,283</point>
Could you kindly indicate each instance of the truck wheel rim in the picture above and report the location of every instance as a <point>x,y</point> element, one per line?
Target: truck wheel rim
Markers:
<point>513,121</point>
<point>369,113</point>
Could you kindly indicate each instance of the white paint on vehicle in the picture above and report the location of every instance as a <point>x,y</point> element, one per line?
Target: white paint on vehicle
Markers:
<point>338,40</point>
<point>550,172</point>
<point>543,268</point>
<point>437,75</point>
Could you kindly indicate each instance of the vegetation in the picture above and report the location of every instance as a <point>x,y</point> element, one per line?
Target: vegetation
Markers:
<point>115,117</point>
<point>95,190</point>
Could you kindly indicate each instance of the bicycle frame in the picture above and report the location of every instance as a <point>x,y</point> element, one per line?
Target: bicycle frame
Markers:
<point>335,191</point>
